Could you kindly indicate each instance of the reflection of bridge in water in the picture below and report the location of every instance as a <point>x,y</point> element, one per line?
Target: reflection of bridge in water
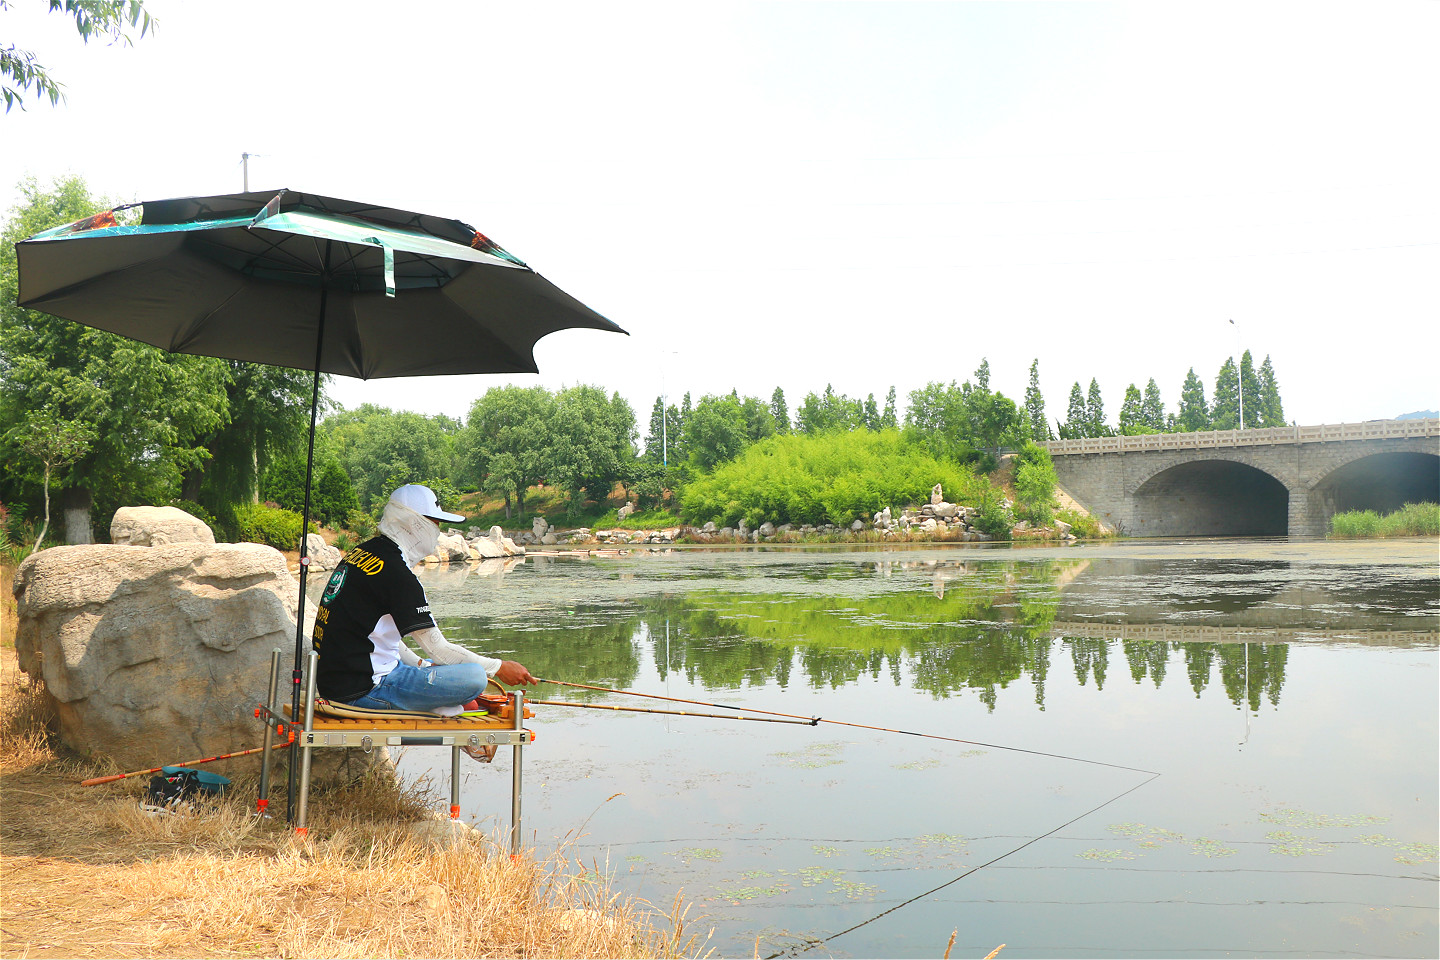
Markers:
<point>1270,482</point>
<point>1178,633</point>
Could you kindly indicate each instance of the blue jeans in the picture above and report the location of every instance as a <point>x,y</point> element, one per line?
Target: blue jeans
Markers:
<point>425,688</point>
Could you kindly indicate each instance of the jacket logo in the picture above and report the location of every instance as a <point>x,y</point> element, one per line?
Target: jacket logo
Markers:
<point>365,560</point>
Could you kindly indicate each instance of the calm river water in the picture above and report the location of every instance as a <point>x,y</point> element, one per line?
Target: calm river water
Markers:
<point>1171,749</point>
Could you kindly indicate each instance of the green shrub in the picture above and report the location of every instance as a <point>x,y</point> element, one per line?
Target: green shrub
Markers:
<point>1355,523</point>
<point>332,495</point>
<point>17,535</point>
<point>1411,520</point>
<point>272,526</point>
<point>1082,525</point>
<point>361,524</point>
<point>993,517</point>
<point>832,477</point>
<point>1035,483</point>
<point>198,512</point>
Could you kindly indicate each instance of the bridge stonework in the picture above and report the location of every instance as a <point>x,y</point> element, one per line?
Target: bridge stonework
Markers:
<point>1285,480</point>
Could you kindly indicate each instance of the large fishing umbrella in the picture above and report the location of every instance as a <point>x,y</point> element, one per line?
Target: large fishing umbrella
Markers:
<point>303,281</point>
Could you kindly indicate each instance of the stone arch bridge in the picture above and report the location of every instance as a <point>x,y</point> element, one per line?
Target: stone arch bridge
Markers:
<point>1271,482</point>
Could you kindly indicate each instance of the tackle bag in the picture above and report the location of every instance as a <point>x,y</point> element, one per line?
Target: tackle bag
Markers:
<point>181,783</point>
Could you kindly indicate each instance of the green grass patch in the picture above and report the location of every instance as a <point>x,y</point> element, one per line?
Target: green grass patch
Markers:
<point>1411,520</point>
<point>486,510</point>
<point>649,520</point>
<point>1082,525</point>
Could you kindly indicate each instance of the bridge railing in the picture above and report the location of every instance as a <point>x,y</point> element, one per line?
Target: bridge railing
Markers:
<point>1321,433</point>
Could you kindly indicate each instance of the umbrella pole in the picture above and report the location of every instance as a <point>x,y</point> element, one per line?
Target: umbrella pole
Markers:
<point>297,673</point>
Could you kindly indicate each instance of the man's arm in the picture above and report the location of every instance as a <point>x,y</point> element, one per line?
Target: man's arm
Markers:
<point>442,651</point>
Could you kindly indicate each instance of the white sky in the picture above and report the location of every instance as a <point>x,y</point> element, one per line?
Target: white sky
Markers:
<point>864,195</point>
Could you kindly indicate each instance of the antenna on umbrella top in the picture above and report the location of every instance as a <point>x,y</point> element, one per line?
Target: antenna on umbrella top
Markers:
<point>245,168</point>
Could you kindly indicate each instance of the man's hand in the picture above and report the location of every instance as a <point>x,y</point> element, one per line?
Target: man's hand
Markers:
<point>512,673</point>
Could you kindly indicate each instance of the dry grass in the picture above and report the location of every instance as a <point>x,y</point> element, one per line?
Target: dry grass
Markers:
<point>87,873</point>
<point>9,619</point>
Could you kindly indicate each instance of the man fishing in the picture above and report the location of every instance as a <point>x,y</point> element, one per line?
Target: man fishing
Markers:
<point>374,600</point>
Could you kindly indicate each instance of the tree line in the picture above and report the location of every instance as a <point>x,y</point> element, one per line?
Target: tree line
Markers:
<point>1242,398</point>
<point>103,422</point>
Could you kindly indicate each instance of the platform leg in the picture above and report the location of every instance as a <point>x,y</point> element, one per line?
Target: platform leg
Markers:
<point>304,744</point>
<point>263,800</point>
<point>517,705</point>
<point>455,782</point>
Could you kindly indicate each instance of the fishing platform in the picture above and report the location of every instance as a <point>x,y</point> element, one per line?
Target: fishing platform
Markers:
<point>329,724</point>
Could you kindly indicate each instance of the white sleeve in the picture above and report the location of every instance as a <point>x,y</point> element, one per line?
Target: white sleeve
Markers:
<point>442,651</point>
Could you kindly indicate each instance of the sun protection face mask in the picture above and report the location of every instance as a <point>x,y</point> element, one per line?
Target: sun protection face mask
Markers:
<point>416,536</point>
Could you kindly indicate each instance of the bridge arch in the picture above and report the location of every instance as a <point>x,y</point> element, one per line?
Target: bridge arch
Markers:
<point>1382,482</point>
<point>1211,497</point>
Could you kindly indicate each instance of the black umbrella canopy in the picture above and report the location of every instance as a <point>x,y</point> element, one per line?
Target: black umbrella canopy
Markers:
<point>244,276</point>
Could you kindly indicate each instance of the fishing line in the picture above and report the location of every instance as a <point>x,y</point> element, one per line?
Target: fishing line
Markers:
<point>813,721</point>
<point>674,713</point>
<point>795,951</point>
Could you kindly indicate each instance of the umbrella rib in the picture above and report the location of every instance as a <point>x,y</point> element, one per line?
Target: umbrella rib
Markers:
<point>178,344</point>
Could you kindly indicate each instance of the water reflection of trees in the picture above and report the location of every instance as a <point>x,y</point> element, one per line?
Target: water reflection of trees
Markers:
<point>976,630</point>
<point>605,653</point>
<point>1248,671</point>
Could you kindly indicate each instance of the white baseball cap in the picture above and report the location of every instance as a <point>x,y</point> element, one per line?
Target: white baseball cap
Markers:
<point>421,499</point>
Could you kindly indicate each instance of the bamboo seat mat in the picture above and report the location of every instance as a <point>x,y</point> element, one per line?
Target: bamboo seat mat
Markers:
<point>340,716</point>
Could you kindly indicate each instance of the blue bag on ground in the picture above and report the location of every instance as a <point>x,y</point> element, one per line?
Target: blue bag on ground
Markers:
<point>182,783</point>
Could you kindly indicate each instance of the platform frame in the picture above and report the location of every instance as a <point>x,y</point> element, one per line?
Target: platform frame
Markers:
<point>320,731</point>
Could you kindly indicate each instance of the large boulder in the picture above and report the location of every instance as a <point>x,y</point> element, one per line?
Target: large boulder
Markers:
<point>452,548</point>
<point>157,527</point>
<point>508,547</point>
<point>156,654</point>
<point>484,548</point>
<point>322,555</point>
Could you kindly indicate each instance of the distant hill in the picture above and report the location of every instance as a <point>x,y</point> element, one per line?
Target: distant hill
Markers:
<point>1419,415</point>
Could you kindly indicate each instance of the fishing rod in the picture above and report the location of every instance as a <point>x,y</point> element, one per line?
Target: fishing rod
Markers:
<point>813,721</point>
<point>188,763</point>
<point>672,713</point>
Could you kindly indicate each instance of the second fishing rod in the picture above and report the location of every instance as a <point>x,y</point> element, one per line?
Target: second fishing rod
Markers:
<point>774,716</point>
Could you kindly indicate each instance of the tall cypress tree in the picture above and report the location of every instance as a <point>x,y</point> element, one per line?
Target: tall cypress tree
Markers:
<point>1225,408</point>
<point>1035,406</point>
<point>870,413</point>
<point>1250,392</point>
<point>1272,412</point>
<point>1131,414</point>
<point>1095,411</point>
<point>657,437</point>
<point>1077,421</point>
<point>779,411</point>
<point>1194,412</point>
<point>1152,408</point>
<point>889,419</point>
